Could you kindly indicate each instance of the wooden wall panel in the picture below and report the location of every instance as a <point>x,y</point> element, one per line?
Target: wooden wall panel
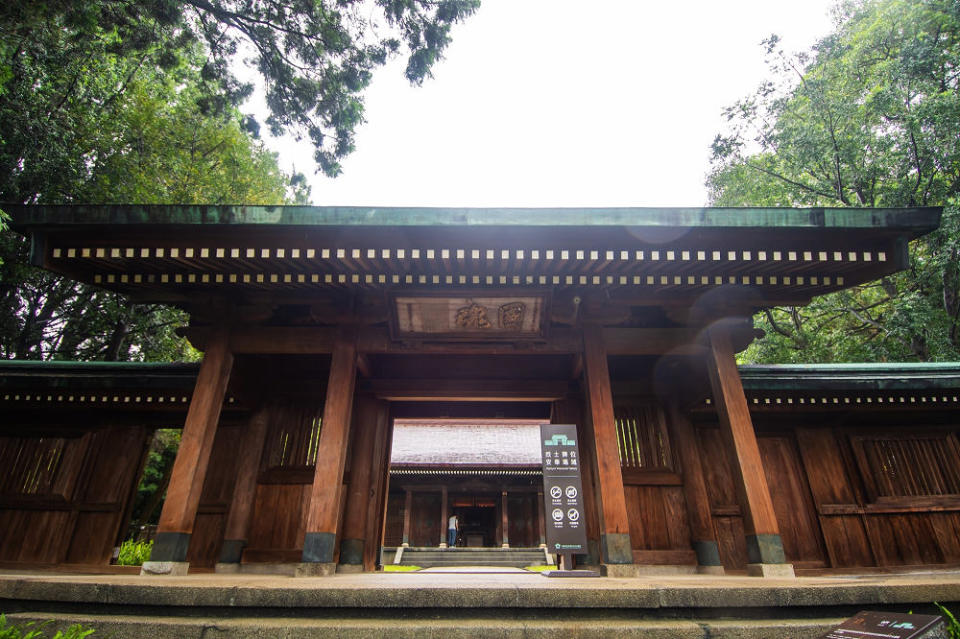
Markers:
<point>278,521</point>
<point>209,525</point>
<point>946,531</point>
<point>393,528</point>
<point>522,526</point>
<point>658,518</point>
<point>92,542</point>
<point>206,539</point>
<point>905,539</point>
<point>724,505</point>
<point>731,541</point>
<point>796,516</point>
<point>835,498</point>
<point>425,519</point>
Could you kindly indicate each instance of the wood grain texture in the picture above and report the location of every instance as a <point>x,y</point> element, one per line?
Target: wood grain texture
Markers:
<point>379,488</point>
<point>739,436</point>
<point>248,467</point>
<point>613,507</point>
<point>325,495</point>
<point>196,442</point>
<point>696,501</point>
<point>362,461</point>
<point>797,518</point>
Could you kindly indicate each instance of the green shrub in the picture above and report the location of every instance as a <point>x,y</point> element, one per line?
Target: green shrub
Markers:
<point>32,630</point>
<point>953,626</point>
<point>133,553</point>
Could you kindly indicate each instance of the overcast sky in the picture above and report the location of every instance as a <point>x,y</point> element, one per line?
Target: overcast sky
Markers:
<point>564,103</point>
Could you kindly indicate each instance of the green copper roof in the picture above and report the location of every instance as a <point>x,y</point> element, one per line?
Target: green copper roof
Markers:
<point>910,220</point>
<point>859,377</point>
<point>881,377</point>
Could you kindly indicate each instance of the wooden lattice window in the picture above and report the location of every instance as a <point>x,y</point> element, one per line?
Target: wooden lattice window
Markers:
<point>642,437</point>
<point>293,438</point>
<point>30,464</point>
<point>909,466</point>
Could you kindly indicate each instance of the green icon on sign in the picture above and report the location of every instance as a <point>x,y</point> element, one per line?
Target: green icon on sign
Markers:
<point>559,440</point>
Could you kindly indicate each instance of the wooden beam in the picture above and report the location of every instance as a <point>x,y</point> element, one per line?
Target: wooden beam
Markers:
<point>505,520</point>
<point>694,490</point>
<point>377,340</point>
<point>323,512</point>
<point>379,487</point>
<point>407,507</point>
<point>193,456</point>
<point>614,525</point>
<point>241,506</point>
<point>444,515</point>
<point>353,539</point>
<point>468,390</point>
<point>764,545</point>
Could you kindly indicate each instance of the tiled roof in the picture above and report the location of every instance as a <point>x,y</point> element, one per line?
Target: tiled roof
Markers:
<point>463,442</point>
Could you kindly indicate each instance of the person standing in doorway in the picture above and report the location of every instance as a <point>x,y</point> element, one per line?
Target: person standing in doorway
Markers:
<point>453,526</point>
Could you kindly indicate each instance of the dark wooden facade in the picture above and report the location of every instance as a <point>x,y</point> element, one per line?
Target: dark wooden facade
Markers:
<point>321,325</point>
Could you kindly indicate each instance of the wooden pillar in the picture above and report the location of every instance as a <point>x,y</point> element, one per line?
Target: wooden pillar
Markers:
<point>359,496</point>
<point>541,525</point>
<point>241,506</point>
<point>615,546</point>
<point>323,514</point>
<point>407,507</point>
<point>190,467</point>
<point>444,515</point>
<point>704,537</point>
<point>380,488</point>
<point>764,546</point>
<point>504,521</point>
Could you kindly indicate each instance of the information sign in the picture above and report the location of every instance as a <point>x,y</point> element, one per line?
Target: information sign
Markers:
<point>566,529</point>
<point>888,625</point>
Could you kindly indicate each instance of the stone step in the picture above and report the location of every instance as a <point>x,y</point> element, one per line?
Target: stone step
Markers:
<point>437,557</point>
<point>397,627</point>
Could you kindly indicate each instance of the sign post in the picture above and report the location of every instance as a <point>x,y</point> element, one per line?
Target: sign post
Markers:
<point>889,625</point>
<point>566,527</point>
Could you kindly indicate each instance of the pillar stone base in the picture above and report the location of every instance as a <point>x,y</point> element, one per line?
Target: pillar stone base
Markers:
<point>349,568</point>
<point>232,550</point>
<point>351,552</point>
<point>170,547</point>
<point>314,569</point>
<point>765,549</point>
<point>771,570</point>
<point>711,570</point>
<point>226,567</point>
<point>165,568</point>
<point>318,547</point>
<point>615,548</point>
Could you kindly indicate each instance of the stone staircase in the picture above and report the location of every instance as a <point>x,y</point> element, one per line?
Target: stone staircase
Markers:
<point>431,557</point>
<point>425,605</point>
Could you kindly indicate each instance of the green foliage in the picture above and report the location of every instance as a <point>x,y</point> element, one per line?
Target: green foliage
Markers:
<point>33,630</point>
<point>315,57</point>
<point>156,476</point>
<point>134,553</point>
<point>867,118</point>
<point>953,626</point>
<point>81,122</point>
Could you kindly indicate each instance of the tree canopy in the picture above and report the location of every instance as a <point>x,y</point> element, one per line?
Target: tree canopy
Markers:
<point>111,101</point>
<point>106,129</point>
<point>315,57</point>
<point>868,117</point>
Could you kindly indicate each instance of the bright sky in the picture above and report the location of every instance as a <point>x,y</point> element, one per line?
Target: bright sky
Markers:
<point>564,103</point>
